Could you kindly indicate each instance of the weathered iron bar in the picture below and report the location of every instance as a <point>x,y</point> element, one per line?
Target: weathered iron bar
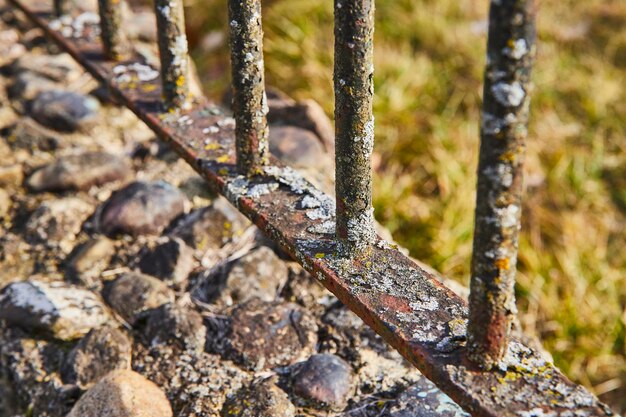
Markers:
<point>111,32</point>
<point>61,7</point>
<point>506,99</point>
<point>354,124</point>
<point>172,39</point>
<point>248,83</point>
<point>402,302</point>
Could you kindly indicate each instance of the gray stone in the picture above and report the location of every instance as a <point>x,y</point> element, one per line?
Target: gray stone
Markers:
<point>61,68</point>
<point>88,260</point>
<point>123,394</point>
<point>170,260</point>
<point>55,223</point>
<point>65,311</point>
<point>28,134</point>
<point>265,335</point>
<point>79,172</point>
<point>306,114</point>
<point>262,398</point>
<point>65,111</point>
<point>424,399</point>
<point>101,351</point>
<point>27,86</point>
<point>258,274</point>
<point>133,293</point>
<point>209,228</point>
<point>176,325</point>
<point>297,146</point>
<point>141,208</point>
<point>323,381</point>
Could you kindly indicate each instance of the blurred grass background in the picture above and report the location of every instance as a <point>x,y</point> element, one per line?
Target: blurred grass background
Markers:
<point>429,60</point>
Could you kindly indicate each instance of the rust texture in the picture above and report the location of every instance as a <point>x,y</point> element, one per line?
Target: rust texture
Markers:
<point>170,18</point>
<point>506,98</point>
<point>113,39</point>
<point>402,302</point>
<point>61,7</point>
<point>248,83</point>
<point>354,124</point>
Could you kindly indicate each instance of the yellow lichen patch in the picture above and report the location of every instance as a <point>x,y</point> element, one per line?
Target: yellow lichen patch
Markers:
<point>502,264</point>
<point>223,158</point>
<point>319,255</point>
<point>146,88</point>
<point>212,146</point>
<point>180,81</point>
<point>222,171</point>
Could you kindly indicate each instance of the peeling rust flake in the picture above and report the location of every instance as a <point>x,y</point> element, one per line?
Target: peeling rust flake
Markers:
<point>407,306</point>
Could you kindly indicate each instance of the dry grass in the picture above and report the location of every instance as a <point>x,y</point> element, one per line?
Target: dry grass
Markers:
<point>429,60</point>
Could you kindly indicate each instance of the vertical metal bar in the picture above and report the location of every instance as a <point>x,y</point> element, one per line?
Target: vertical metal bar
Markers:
<point>173,52</point>
<point>506,100</point>
<point>61,7</point>
<point>113,39</point>
<point>354,124</point>
<point>248,83</point>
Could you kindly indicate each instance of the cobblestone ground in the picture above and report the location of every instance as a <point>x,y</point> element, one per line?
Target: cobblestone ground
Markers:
<point>128,289</point>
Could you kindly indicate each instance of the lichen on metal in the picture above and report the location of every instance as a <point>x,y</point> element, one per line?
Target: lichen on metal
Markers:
<point>111,29</point>
<point>248,85</point>
<point>173,51</point>
<point>405,304</point>
<point>506,99</point>
<point>354,124</point>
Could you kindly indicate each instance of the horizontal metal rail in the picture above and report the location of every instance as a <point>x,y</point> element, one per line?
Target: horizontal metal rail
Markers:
<point>406,305</point>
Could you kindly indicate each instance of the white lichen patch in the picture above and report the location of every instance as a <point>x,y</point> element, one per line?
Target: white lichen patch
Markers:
<point>508,94</point>
<point>500,174</point>
<point>259,190</point>
<point>325,228</point>
<point>75,27</point>
<point>361,228</point>
<point>492,125</point>
<point>427,304</point>
<point>226,122</point>
<point>506,216</point>
<point>124,74</point>
<point>289,177</point>
<point>235,188</point>
<point>536,412</point>
<point>211,130</point>
<point>517,49</point>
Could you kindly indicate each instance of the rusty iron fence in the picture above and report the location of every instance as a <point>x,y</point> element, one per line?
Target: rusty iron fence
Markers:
<point>467,351</point>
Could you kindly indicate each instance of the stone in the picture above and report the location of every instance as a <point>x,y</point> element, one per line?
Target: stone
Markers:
<point>296,146</point>
<point>170,260</point>
<point>65,111</point>
<point>132,293</point>
<point>424,399</point>
<point>176,325</point>
<point>123,393</point>
<point>79,171</point>
<point>61,68</point>
<point>27,86</point>
<point>65,311</point>
<point>258,274</point>
<point>88,260</point>
<point>141,26</point>
<point>306,114</point>
<point>5,203</point>
<point>141,208</point>
<point>101,351</point>
<point>323,381</point>
<point>10,48</point>
<point>209,228</point>
<point>11,175</point>
<point>262,398</point>
<point>30,367</point>
<point>55,223</point>
<point>265,335</point>
<point>28,134</point>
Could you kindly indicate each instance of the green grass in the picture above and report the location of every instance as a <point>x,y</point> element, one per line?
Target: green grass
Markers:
<point>429,62</point>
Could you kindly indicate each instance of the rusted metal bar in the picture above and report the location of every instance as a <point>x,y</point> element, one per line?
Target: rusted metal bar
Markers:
<point>354,124</point>
<point>402,302</point>
<point>173,50</point>
<point>61,7</point>
<point>113,39</point>
<point>248,83</point>
<point>506,99</point>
